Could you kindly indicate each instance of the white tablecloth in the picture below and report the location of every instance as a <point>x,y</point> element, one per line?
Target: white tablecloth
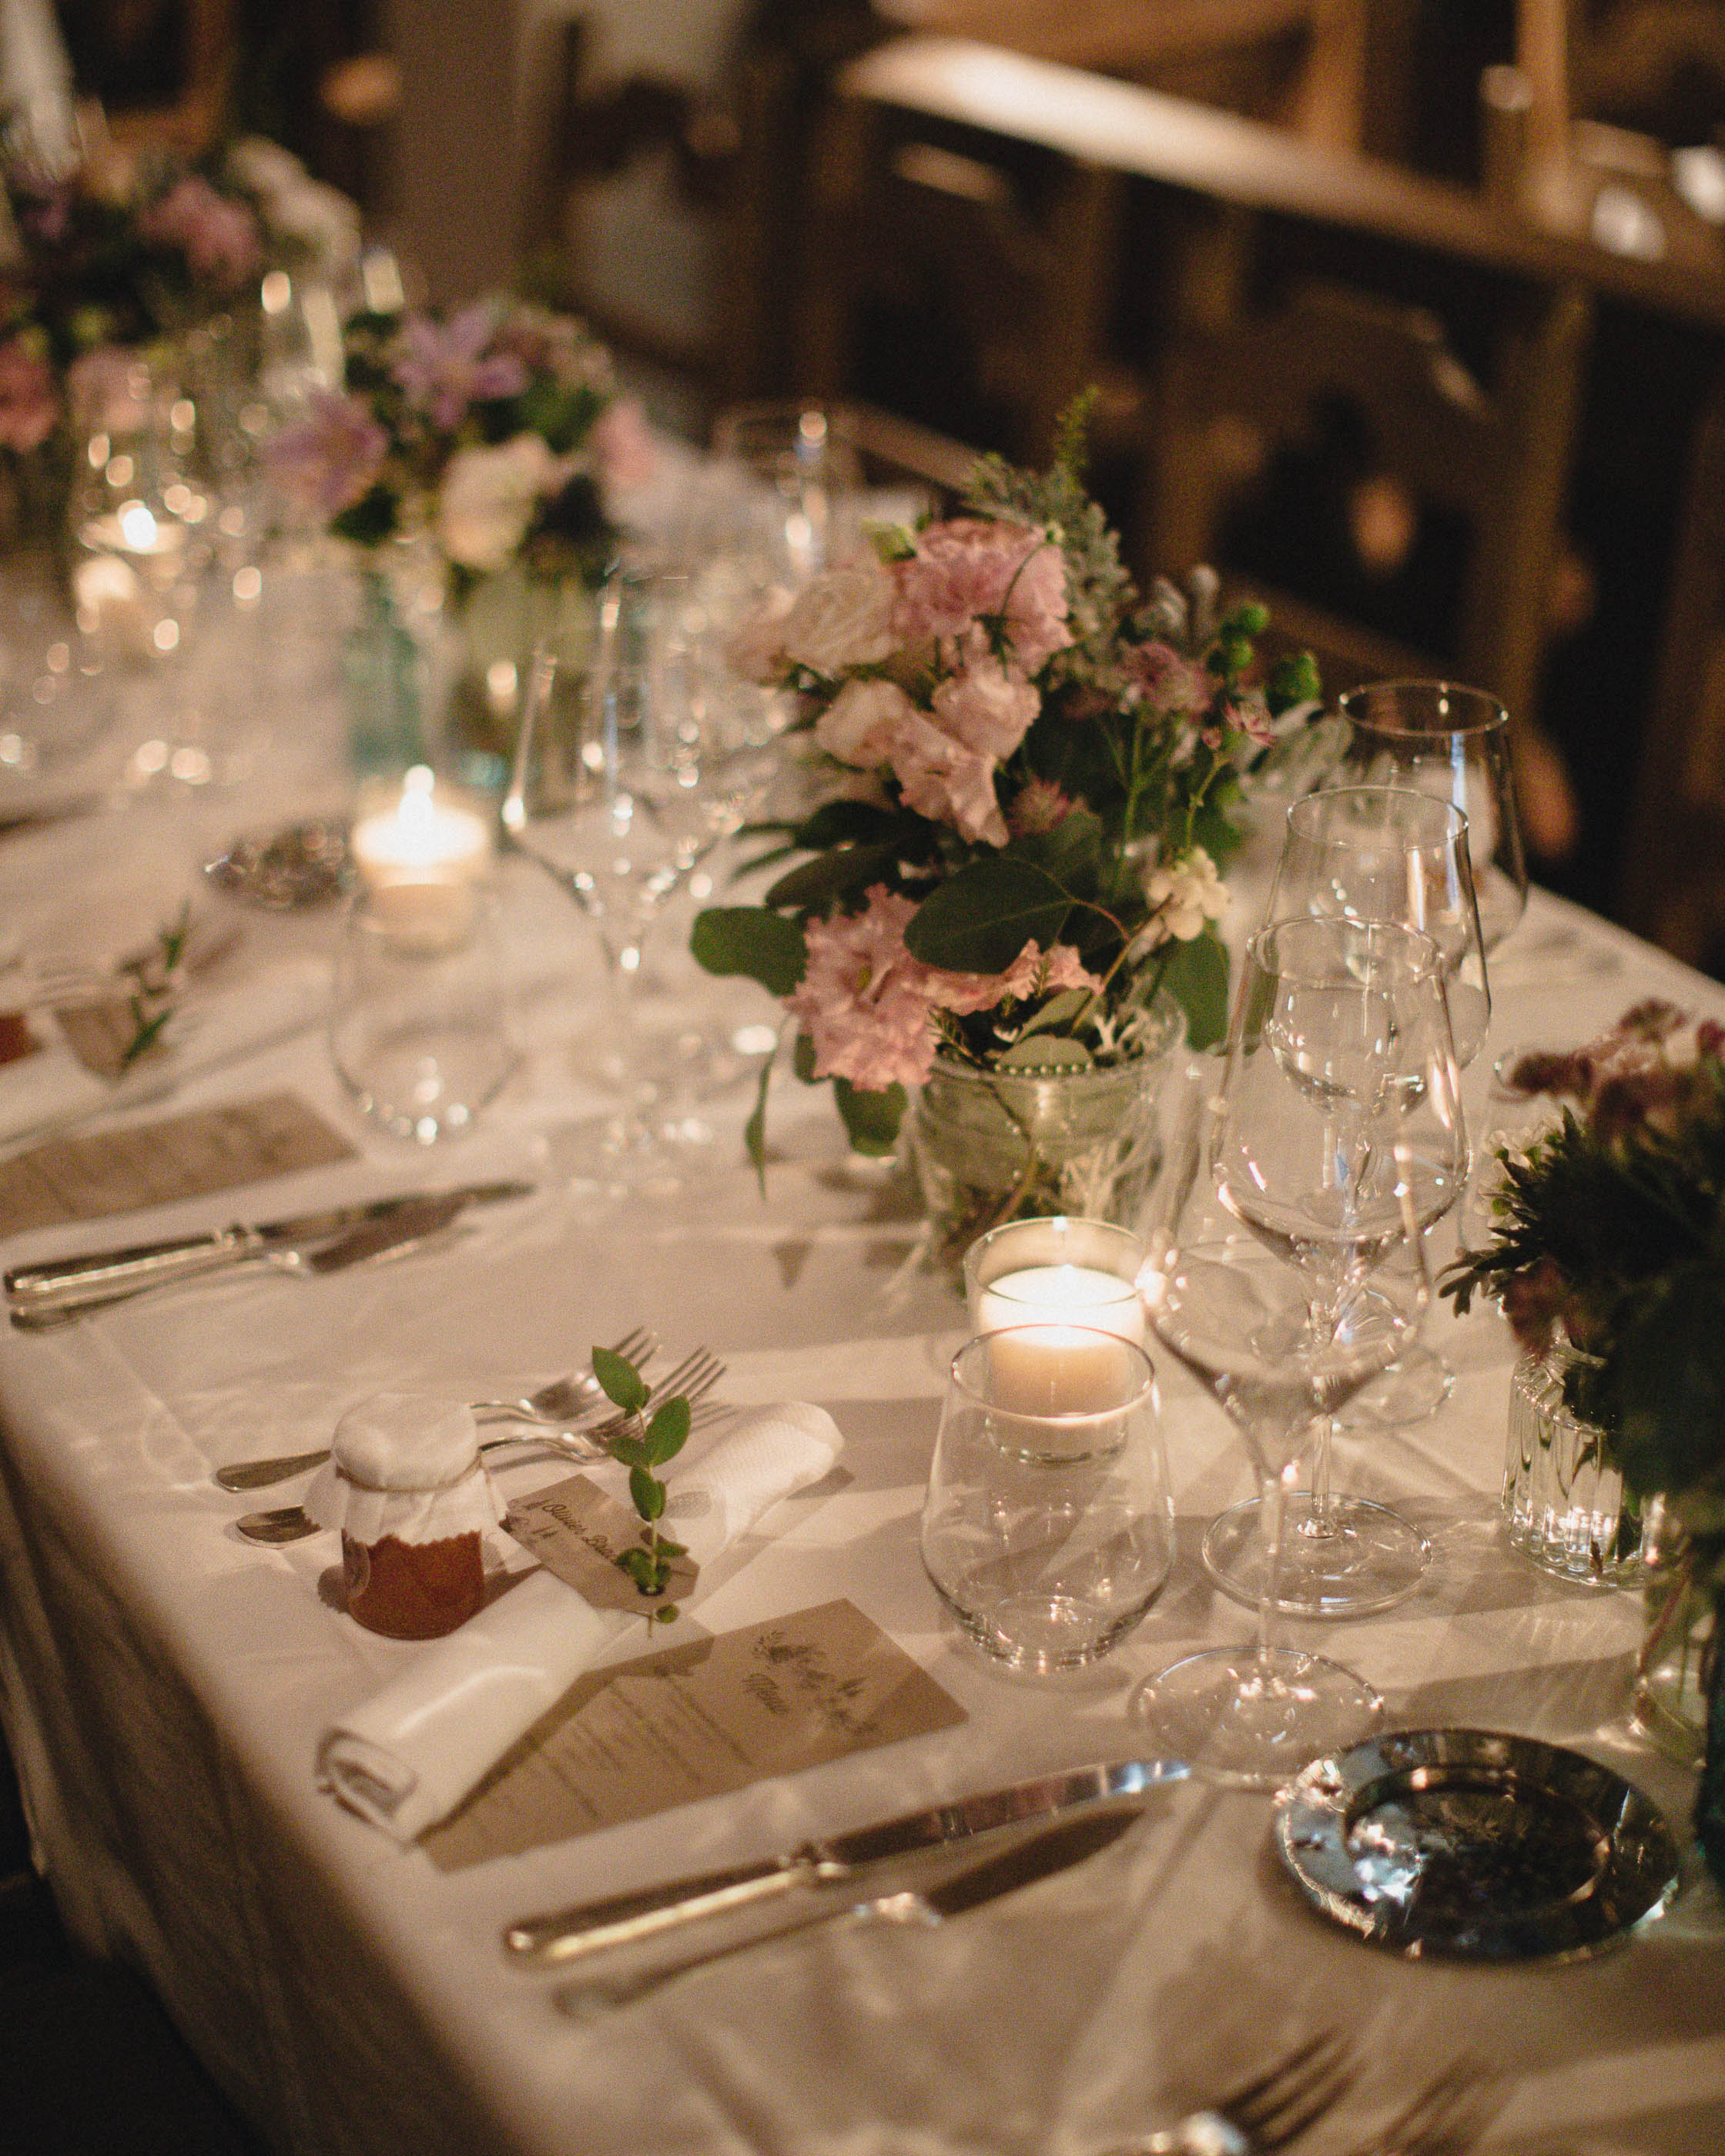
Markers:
<point>165,1683</point>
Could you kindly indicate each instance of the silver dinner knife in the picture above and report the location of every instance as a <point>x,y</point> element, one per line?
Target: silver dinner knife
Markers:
<point>73,1284</point>
<point>834,1861</point>
<point>1040,1856</point>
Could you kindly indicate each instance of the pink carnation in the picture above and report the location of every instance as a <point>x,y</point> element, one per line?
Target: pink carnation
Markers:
<point>970,567</point>
<point>1030,974</point>
<point>330,460</point>
<point>28,405</point>
<point>217,237</point>
<point>939,777</point>
<point>986,707</point>
<point>863,1000</point>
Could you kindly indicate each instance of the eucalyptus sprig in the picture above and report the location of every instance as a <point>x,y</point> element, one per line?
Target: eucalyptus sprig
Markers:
<point>156,979</point>
<point>641,1448</point>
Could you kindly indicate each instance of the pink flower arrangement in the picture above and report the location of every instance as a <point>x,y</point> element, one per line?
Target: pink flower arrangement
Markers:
<point>1028,771</point>
<point>28,407</point>
<point>332,459</point>
<point>218,237</point>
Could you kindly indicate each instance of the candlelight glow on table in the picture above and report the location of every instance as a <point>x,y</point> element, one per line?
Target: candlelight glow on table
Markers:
<point>1082,1272</point>
<point>422,835</point>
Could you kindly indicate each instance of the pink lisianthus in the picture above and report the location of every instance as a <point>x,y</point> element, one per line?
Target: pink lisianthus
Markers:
<point>218,238</point>
<point>940,778</point>
<point>970,568</point>
<point>863,1000</point>
<point>330,460</point>
<point>1039,807</point>
<point>28,407</point>
<point>859,725</point>
<point>445,366</point>
<point>986,707</point>
<point>621,446</point>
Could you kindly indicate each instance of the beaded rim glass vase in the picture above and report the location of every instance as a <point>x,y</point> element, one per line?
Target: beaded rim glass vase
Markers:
<point>1563,1504</point>
<point>1029,1143</point>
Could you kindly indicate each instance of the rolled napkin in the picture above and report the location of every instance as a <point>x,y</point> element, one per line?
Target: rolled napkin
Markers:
<point>405,1758</point>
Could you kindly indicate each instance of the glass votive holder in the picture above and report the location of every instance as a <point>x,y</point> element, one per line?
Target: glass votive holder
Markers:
<point>419,1035</point>
<point>1081,1272</point>
<point>1048,1528</point>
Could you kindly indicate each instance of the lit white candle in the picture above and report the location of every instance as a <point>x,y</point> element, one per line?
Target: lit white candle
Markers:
<point>422,837</point>
<point>1083,1295</point>
<point>1058,1370</point>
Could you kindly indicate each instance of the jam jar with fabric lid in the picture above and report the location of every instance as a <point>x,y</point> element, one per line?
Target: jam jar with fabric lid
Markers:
<point>407,1488</point>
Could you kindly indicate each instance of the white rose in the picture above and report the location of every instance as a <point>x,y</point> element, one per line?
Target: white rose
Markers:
<point>856,727</point>
<point>843,618</point>
<point>487,498</point>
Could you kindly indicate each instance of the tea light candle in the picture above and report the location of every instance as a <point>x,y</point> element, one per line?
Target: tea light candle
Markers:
<point>421,837</point>
<point>1058,1370</point>
<point>1083,1295</point>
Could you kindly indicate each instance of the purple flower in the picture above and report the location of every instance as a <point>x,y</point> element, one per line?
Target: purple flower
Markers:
<point>445,366</point>
<point>330,460</point>
<point>217,237</point>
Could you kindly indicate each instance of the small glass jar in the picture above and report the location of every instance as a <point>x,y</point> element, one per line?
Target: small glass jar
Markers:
<point>407,1489</point>
<point>1563,1505</point>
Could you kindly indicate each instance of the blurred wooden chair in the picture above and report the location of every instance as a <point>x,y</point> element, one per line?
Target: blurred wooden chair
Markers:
<point>1245,379</point>
<point>1674,866</point>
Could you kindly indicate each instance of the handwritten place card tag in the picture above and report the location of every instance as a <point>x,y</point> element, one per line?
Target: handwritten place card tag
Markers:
<point>577,1532</point>
<point>191,1155</point>
<point>696,1720</point>
<point>99,1035</point>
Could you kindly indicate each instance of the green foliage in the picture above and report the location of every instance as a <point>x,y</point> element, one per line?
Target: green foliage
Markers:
<point>871,1120</point>
<point>979,920</point>
<point>751,941</point>
<point>641,1448</point>
<point>1196,975</point>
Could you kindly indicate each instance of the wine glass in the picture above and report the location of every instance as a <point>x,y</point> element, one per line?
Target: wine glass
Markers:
<point>1285,1267</point>
<point>592,801</point>
<point>1440,738</point>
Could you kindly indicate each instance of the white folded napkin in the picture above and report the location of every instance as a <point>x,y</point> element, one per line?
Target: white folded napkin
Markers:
<point>407,1757</point>
<point>42,1091</point>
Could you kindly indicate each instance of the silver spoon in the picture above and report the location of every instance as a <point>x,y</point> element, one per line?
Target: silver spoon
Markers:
<point>563,1400</point>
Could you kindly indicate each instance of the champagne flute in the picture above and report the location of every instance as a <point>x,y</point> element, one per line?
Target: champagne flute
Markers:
<point>1440,738</point>
<point>1284,1269</point>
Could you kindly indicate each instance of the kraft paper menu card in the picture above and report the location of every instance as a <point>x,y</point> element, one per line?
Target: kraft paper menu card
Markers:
<point>696,1720</point>
<point>95,1173</point>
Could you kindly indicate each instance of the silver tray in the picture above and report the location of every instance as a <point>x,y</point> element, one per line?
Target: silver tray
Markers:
<point>1471,1843</point>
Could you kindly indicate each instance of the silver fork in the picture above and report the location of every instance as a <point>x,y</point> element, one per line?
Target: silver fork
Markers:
<point>244,1475</point>
<point>565,1398</point>
<point>1263,2114</point>
<point>1446,2118</point>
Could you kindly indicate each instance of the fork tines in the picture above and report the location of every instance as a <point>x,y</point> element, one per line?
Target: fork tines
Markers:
<point>1280,2104</point>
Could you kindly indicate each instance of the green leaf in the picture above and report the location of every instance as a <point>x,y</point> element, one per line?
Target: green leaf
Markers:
<point>668,1615</point>
<point>640,1565</point>
<point>1196,973</point>
<point>802,1059</point>
<point>622,1382</point>
<point>812,886</point>
<point>668,1432</point>
<point>754,1131</point>
<point>1071,853</point>
<point>979,920</point>
<point>1058,1011</point>
<point>647,1491</point>
<point>631,1451</point>
<point>1044,1052</point>
<point>765,947</point>
<point>872,1119</point>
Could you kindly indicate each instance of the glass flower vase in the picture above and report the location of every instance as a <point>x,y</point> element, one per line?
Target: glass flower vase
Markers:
<point>1564,1503</point>
<point>384,674</point>
<point>491,626</point>
<point>1029,1143</point>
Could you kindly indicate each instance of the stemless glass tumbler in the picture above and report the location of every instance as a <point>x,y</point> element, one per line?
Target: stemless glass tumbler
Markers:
<point>1048,1527</point>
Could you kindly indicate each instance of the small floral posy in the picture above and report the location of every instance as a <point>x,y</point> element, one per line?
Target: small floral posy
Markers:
<point>1030,772</point>
<point>641,1448</point>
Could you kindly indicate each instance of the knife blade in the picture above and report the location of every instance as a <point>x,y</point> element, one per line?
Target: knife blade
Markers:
<point>105,1275</point>
<point>627,1919</point>
<point>1040,1856</point>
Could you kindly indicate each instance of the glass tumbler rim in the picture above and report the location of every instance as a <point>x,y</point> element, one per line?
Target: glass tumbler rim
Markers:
<point>1143,1393</point>
<point>1308,810</point>
<point>1491,714</point>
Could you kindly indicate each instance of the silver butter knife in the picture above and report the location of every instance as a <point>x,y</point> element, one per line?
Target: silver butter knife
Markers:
<point>835,1861</point>
<point>104,1275</point>
<point>1041,1856</point>
<point>317,1241</point>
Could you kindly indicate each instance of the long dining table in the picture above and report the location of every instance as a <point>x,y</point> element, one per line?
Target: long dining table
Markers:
<point>165,1683</point>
